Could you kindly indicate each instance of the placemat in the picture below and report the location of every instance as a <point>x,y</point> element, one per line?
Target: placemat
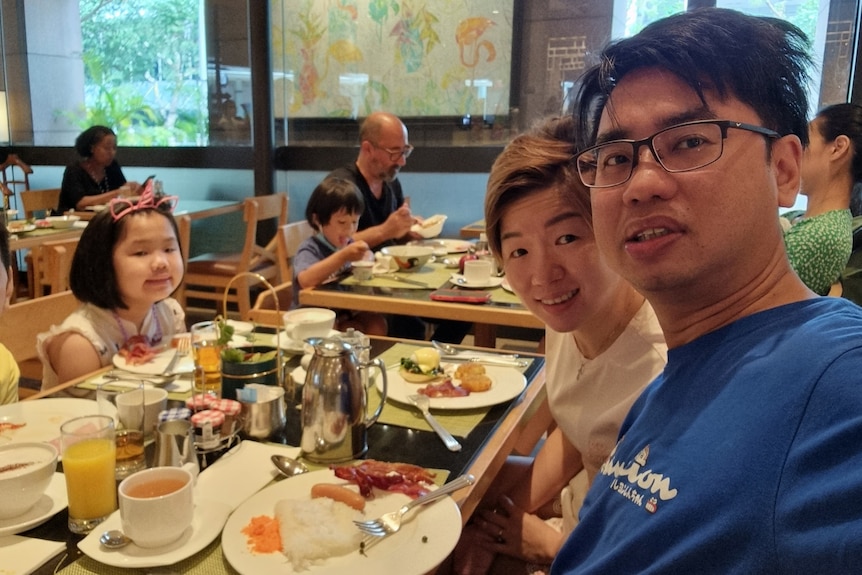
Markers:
<point>500,295</point>
<point>433,275</point>
<point>459,423</point>
<point>208,561</point>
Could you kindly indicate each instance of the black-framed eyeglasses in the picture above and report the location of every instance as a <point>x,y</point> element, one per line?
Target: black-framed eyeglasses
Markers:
<point>394,153</point>
<point>680,148</point>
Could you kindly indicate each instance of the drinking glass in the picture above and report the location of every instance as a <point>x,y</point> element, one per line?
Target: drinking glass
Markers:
<point>89,457</point>
<point>207,357</point>
<point>124,402</point>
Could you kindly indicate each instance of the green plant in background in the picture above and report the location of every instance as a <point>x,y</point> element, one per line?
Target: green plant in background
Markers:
<point>143,71</point>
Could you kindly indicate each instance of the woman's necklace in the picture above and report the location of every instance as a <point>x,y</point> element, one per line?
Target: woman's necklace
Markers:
<point>102,182</point>
<point>151,341</point>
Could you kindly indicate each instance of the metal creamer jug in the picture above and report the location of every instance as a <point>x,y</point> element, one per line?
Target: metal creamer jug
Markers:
<point>335,418</point>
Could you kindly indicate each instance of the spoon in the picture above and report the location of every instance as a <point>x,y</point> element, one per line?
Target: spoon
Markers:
<point>288,466</point>
<point>114,539</point>
<point>444,347</point>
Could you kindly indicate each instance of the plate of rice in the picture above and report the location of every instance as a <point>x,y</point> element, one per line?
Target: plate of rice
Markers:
<point>281,530</point>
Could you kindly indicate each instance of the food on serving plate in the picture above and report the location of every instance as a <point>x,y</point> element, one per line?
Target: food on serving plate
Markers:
<point>405,478</point>
<point>263,534</point>
<point>472,377</point>
<point>422,366</point>
<point>316,529</point>
<point>16,227</point>
<point>445,389</point>
<point>44,224</point>
<point>339,493</point>
<point>9,426</point>
<point>137,350</point>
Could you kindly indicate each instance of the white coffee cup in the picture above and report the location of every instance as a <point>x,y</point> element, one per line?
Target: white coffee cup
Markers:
<point>363,270</point>
<point>305,322</point>
<point>155,401</point>
<point>477,271</point>
<point>156,505</point>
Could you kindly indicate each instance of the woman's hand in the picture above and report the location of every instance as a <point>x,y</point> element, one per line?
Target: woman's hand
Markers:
<point>510,530</point>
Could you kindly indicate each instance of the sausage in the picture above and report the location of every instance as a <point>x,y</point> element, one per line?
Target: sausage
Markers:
<point>338,493</point>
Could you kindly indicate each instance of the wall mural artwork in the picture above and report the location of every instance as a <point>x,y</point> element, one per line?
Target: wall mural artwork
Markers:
<point>346,58</point>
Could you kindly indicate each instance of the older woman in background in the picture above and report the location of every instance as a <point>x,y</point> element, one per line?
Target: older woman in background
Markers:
<point>97,177</point>
<point>820,239</point>
<point>603,346</point>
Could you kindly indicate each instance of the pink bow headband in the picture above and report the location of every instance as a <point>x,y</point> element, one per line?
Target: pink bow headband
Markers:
<point>121,207</point>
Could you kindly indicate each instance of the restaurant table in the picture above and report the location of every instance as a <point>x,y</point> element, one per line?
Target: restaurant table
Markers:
<point>488,435</point>
<point>394,297</point>
<point>474,230</point>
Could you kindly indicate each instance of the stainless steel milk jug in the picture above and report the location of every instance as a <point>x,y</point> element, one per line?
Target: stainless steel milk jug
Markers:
<point>335,418</point>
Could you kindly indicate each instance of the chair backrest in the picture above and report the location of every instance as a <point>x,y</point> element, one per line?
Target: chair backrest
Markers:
<point>51,263</point>
<point>289,237</point>
<point>33,201</point>
<point>259,209</point>
<point>23,321</point>
<point>13,182</point>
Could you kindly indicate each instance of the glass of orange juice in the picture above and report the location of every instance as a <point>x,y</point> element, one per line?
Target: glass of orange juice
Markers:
<point>89,456</point>
<point>206,352</point>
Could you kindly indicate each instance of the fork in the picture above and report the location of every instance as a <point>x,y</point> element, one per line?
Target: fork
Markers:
<point>423,404</point>
<point>183,348</point>
<point>390,523</point>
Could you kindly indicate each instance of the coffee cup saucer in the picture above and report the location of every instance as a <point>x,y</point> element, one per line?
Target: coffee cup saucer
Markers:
<point>295,346</point>
<point>209,518</point>
<point>461,281</point>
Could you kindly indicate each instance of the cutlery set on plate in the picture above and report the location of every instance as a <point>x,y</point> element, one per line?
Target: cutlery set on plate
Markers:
<point>377,529</point>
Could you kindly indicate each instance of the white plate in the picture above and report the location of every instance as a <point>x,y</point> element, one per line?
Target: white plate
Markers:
<point>505,285</point>
<point>207,523</point>
<point>401,554</point>
<point>449,246</point>
<point>158,364</point>
<point>52,502</point>
<point>507,383</point>
<point>240,327</point>
<point>20,229</point>
<point>493,281</point>
<point>80,224</point>
<point>42,418</point>
<point>298,375</point>
<point>284,342</point>
<point>96,207</point>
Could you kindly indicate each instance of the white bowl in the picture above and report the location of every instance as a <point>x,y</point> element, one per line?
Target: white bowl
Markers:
<point>409,258</point>
<point>26,470</point>
<point>431,227</point>
<point>62,222</point>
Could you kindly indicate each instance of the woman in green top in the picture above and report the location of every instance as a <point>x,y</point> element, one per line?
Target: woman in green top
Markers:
<point>819,240</point>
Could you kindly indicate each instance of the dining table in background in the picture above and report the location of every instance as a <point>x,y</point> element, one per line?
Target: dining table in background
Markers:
<point>396,297</point>
<point>487,435</point>
<point>473,230</point>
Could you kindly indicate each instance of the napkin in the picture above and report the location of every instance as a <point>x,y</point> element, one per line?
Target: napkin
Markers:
<point>241,472</point>
<point>384,264</point>
<point>22,555</point>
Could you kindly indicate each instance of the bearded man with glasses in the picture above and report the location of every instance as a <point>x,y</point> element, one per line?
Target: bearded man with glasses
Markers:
<point>383,151</point>
<point>743,456</point>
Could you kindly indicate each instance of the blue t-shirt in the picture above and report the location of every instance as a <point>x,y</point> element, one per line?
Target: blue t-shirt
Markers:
<point>744,456</point>
<point>311,251</point>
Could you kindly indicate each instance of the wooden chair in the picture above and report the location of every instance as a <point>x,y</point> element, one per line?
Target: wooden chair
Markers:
<point>13,183</point>
<point>22,322</point>
<point>208,275</point>
<point>289,238</point>
<point>49,266</point>
<point>39,201</point>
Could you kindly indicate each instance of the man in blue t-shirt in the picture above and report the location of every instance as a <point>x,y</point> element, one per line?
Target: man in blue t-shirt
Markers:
<point>745,455</point>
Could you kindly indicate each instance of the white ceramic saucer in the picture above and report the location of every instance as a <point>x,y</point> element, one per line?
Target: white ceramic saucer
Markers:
<point>52,502</point>
<point>460,280</point>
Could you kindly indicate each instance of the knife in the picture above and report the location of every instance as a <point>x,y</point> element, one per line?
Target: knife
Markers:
<point>404,280</point>
<point>488,360</point>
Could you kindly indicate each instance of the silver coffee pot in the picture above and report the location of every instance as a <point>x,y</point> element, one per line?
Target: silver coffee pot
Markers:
<point>335,418</point>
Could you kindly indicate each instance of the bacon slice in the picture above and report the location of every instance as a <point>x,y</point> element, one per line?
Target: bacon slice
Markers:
<point>445,389</point>
<point>137,350</point>
<point>411,480</point>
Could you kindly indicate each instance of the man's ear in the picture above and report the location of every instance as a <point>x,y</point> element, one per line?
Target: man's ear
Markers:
<point>786,163</point>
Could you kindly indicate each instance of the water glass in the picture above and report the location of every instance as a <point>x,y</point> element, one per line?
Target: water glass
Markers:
<point>206,352</point>
<point>124,402</point>
<point>89,457</point>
